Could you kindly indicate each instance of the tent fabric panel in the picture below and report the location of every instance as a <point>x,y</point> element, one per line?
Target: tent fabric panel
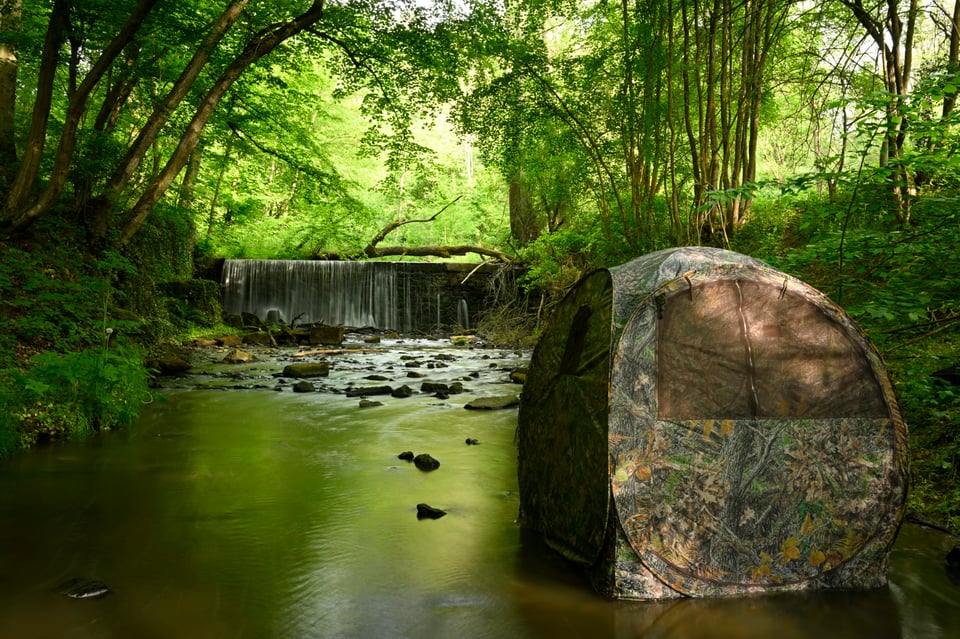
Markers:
<point>732,506</point>
<point>621,575</point>
<point>637,279</point>
<point>729,506</point>
<point>741,348</point>
<point>562,425</point>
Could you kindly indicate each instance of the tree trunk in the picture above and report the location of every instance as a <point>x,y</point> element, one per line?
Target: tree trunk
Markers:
<point>19,210</point>
<point>165,108</point>
<point>523,219</point>
<point>218,187</point>
<point>444,252</point>
<point>262,44</point>
<point>10,12</point>
<point>894,40</point>
<point>26,176</point>
<point>189,184</point>
<point>953,60</point>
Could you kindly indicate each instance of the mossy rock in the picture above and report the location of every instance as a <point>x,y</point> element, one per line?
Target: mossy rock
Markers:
<point>307,369</point>
<point>259,338</point>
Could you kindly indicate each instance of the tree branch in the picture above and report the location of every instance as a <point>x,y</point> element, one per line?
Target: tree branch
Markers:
<point>444,252</point>
<point>393,226</point>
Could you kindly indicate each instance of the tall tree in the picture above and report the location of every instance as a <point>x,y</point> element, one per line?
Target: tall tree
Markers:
<point>129,87</point>
<point>891,27</point>
<point>10,24</point>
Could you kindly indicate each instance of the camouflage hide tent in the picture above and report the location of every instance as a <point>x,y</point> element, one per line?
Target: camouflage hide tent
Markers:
<point>697,423</point>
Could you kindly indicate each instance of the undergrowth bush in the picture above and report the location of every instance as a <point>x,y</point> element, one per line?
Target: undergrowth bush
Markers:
<point>68,367</point>
<point>77,393</point>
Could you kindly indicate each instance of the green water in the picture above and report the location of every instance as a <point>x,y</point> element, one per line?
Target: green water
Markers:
<point>251,513</point>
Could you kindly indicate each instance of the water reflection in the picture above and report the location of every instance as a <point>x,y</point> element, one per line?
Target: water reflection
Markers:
<point>254,514</point>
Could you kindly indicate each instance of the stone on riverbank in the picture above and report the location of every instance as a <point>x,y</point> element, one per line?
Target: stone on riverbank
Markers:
<point>328,335</point>
<point>169,365</point>
<point>258,338</point>
<point>518,376</point>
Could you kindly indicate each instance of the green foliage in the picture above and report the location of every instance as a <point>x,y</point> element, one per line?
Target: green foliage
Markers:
<point>10,438</point>
<point>55,297</point>
<point>68,362</point>
<point>932,407</point>
<point>557,260</point>
<point>77,393</point>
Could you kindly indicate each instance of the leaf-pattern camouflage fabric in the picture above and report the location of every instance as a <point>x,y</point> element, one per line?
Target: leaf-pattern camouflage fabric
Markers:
<point>753,438</point>
<point>562,438</point>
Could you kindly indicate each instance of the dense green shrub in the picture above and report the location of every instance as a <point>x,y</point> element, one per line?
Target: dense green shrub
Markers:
<point>77,393</point>
<point>71,350</point>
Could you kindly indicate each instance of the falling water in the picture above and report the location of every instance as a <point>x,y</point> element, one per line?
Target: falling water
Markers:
<point>463,314</point>
<point>382,295</point>
<point>304,292</point>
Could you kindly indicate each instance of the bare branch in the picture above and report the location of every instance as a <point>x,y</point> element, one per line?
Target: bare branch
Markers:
<point>393,226</point>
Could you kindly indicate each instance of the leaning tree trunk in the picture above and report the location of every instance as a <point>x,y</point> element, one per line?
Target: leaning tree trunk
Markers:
<point>20,211</point>
<point>26,176</point>
<point>10,22</point>
<point>262,44</point>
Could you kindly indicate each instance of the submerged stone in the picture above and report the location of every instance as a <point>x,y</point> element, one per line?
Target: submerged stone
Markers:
<point>406,455</point>
<point>425,511</point>
<point>303,387</point>
<point>403,391</point>
<point>83,588</point>
<point>369,390</point>
<point>953,558</point>
<point>425,462</point>
<point>493,403</point>
<point>307,369</point>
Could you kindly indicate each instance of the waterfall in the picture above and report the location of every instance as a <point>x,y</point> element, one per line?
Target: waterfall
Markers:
<point>357,294</point>
<point>401,296</point>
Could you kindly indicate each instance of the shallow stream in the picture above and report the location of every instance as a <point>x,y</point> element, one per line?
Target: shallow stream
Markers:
<point>237,508</point>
